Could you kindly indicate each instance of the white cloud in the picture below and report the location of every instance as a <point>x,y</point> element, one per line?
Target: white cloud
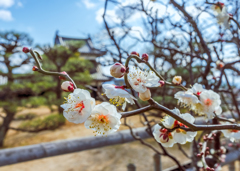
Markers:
<point>19,4</point>
<point>88,4</point>
<point>6,3</point>
<point>5,15</point>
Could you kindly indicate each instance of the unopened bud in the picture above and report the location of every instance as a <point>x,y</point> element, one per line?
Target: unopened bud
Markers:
<point>145,96</point>
<point>162,83</point>
<point>35,68</point>
<point>25,50</point>
<point>61,77</point>
<point>67,86</point>
<point>135,53</point>
<point>177,80</point>
<point>223,149</point>
<point>219,64</point>
<point>117,70</point>
<point>145,57</point>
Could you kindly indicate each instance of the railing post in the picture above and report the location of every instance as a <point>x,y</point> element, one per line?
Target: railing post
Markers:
<point>231,166</point>
<point>157,162</point>
<point>131,167</point>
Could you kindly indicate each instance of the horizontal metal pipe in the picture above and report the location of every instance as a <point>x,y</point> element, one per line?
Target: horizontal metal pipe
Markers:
<point>42,150</point>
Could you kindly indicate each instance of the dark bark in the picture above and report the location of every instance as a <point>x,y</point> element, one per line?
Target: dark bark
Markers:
<point>5,125</point>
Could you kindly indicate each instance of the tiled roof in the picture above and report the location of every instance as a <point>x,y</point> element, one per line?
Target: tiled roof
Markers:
<point>86,49</point>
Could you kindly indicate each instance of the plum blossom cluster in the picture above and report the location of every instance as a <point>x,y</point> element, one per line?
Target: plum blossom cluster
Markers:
<point>201,101</point>
<point>80,107</point>
<point>168,138</point>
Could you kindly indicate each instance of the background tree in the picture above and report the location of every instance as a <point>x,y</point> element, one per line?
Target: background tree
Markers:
<point>11,95</point>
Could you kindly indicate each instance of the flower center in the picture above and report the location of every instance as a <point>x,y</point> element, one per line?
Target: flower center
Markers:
<point>217,6</point>
<point>165,135</point>
<point>176,124</point>
<point>208,102</point>
<point>100,123</point>
<point>233,130</point>
<point>177,79</point>
<point>118,101</point>
<point>103,119</point>
<point>80,105</point>
<point>199,92</point>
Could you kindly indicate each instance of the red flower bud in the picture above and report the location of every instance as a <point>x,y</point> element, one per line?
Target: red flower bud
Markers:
<point>135,53</point>
<point>25,50</point>
<point>162,83</point>
<point>35,68</point>
<point>219,64</point>
<point>61,77</point>
<point>67,86</point>
<point>117,70</point>
<point>145,57</point>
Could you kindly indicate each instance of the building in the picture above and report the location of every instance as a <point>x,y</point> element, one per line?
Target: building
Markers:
<point>88,51</point>
<point>3,80</point>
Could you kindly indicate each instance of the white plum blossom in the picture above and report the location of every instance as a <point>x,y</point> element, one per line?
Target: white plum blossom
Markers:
<point>118,95</point>
<point>197,89</point>
<point>231,133</point>
<point>209,103</point>
<point>223,18</point>
<point>186,98</point>
<point>181,136</point>
<point>162,136</point>
<point>104,119</point>
<point>177,80</point>
<point>78,106</point>
<point>168,139</point>
<point>140,80</point>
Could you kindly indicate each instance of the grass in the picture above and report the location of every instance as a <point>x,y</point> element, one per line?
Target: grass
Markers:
<point>50,122</point>
<point>28,116</point>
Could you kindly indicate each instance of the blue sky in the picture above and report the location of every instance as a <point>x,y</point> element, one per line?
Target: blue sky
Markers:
<point>41,18</point>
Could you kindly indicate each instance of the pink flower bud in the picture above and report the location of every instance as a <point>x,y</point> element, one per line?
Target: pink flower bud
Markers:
<point>162,83</point>
<point>177,80</point>
<point>61,77</point>
<point>67,86</point>
<point>145,57</point>
<point>25,50</point>
<point>117,70</point>
<point>219,64</point>
<point>35,68</point>
<point>135,53</point>
<point>145,96</point>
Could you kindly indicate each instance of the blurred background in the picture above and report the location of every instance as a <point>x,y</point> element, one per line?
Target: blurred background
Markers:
<point>84,38</point>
